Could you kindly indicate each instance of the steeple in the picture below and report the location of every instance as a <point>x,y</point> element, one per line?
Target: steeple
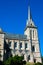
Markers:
<point>29,14</point>
<point>29,20</point>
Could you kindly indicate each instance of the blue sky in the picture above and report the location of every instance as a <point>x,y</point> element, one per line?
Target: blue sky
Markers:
<point>14,13</point>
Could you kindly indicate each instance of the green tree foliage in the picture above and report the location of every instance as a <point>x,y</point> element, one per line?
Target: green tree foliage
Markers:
<point>42,59</point>
<point>16,60</point>
<point>38,63</point>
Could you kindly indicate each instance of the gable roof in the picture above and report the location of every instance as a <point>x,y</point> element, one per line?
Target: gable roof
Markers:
<point>15,36</point>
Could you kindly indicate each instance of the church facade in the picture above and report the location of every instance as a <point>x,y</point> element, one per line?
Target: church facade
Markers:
<point>26,45</point>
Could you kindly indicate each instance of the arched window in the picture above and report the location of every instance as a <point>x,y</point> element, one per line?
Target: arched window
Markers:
<point>20,45</point>
<point>25,45</point>
<point>30,34</point>
<point>33,48</point>
<point>33,33</point>
<point>34,60</point>
<point>28,58</point>
<point>10,44</point>
<point>15,45</point>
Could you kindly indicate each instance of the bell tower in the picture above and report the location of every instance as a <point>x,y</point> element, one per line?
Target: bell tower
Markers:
<point>30,25</point>
<point>32,36</point>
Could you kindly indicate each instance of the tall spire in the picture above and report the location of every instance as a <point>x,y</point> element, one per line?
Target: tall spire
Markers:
<point>29,14</point>
<point>29,20</point>
<point>29,11</point>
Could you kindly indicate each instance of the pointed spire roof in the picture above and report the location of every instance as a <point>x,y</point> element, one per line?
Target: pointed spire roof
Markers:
<point>29,20</point>
<point>29,14</point>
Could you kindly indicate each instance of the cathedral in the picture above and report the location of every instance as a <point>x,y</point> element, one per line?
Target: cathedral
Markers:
<point>26,45</point>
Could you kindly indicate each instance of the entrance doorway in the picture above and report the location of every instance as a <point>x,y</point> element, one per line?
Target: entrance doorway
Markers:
<point>34,60</point>
<point>28,58</point>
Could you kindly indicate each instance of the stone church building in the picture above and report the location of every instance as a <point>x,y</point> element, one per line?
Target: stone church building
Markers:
<point>26,45</point>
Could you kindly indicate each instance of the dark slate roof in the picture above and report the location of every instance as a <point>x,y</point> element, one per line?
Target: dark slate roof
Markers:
<point>15,36</point>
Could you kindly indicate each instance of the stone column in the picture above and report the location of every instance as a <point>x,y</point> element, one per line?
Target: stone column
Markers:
<point>25,57</point>
<point>23,45</point>
<point>31,57</point>
<point>12,47</point>
<point>18,45</point>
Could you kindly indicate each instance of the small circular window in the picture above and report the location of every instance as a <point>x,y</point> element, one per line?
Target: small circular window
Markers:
<point>31,24</point>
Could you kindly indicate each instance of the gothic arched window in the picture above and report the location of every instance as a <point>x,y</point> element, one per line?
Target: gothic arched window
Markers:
<point>33,48</point>
<point>25,45</point>
<point>15,45</point>
<point>33,33</point>
<point>20,45</point>
<point>10,44</point>
<point>28,58</point>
